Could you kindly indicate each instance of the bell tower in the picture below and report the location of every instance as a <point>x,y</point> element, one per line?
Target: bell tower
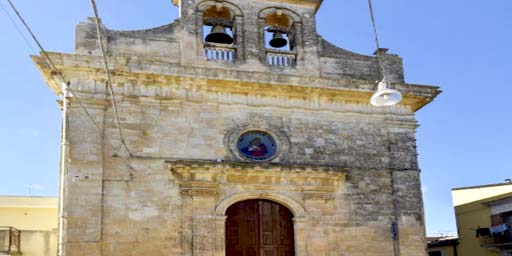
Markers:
<point>257,33</point>
<point>235,130</point>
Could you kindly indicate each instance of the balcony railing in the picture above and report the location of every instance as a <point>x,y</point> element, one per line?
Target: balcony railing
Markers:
<point>278,58</point>
<point>497,240</point>
<point>219,52</point>
<point>10,239</point>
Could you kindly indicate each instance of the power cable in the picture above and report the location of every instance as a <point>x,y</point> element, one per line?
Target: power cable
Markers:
<point>31,33</point>
<point>109,77</point>
<point>385,95</point>
<point>18,29</point>
<point>57,72</point>
<point>49,61</point>
<point>395,236</point>
<point>376,35</point>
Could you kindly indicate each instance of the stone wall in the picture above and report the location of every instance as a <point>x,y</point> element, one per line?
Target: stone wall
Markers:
<point>138,205</point>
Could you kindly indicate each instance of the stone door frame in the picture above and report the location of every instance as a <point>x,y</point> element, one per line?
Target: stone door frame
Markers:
<point>297,209</point>
<point>208,189</point>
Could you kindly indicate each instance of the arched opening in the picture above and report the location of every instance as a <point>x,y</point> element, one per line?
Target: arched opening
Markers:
<point>218,25</point>
<point>280,37</point>
<point>259,227</point>
<point>278,32</point>
<point>219,36</point>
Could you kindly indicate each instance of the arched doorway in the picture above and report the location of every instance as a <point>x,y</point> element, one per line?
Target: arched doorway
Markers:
<point>259,228</point>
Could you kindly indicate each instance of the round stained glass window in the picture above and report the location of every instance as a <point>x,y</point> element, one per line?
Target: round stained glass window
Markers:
<point>257,145</point>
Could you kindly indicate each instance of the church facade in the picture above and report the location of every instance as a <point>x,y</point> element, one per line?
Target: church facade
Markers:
<point>236,146</point>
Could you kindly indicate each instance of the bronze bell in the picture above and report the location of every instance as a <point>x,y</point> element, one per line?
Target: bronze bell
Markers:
<point>218,35</point>
<point>278,41</point>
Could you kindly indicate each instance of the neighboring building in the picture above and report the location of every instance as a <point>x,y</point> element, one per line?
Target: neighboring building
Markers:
<point>484,219</point>
<point>236,148</point>
<point>442,246</point>
<point>28,225</point>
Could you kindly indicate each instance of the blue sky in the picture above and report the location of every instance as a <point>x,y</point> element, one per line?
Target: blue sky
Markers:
<point>463,46</point>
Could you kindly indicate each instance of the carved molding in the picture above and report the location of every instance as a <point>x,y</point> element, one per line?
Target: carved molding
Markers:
<point>248,172</point>
<point>318,196</point>
<point>321,93</point>
<point>289,185</point>
<point>196,189</point>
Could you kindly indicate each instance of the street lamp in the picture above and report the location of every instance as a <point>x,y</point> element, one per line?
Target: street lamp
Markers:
<point>385,96</point>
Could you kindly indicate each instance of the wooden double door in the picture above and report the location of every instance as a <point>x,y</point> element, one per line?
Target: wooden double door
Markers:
<point>259,228</point>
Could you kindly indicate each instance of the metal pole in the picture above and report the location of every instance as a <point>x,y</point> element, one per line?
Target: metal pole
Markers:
<point>19,240</point>
<point>10,241</point>
<point>395,228</point>
<point>394,233</point>
<point>63,164</point>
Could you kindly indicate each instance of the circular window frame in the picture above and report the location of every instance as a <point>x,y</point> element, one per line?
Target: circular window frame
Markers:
<point>280,138</point>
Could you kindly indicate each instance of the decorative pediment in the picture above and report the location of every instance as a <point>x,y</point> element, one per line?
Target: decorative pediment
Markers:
<point>204,178</point>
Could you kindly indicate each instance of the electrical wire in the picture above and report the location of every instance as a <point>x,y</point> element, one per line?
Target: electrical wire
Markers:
<point>394,226</point>
<point>18,29</point>
<point>109,77</point>
<point>49,61</point>
<point>59,74</point>
<point>376,35</point>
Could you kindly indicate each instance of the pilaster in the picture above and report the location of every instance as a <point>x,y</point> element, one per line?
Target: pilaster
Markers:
<point>83,188</point>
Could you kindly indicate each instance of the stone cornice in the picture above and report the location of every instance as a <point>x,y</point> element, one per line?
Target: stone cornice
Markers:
<point>229,80</point>
<point>322,170</point>
<point>203,178</point>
